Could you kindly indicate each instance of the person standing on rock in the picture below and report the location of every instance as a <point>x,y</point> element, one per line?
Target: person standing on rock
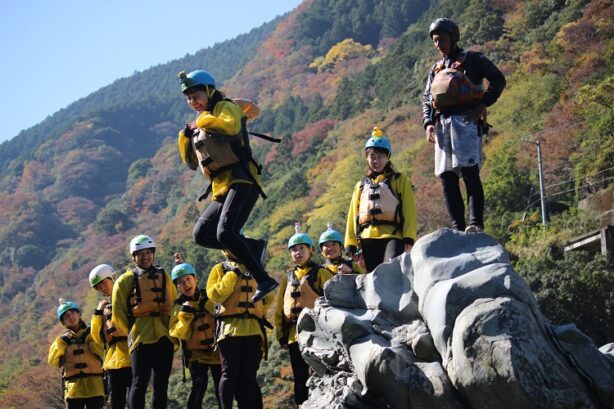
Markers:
<point>217,143</point>
<point>454,119</point>
<point>382,214</point>
<point>299,289</point>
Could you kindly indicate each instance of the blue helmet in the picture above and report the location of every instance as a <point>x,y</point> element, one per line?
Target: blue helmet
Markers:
<point>198,77</point>
<point>330,235</point>
<point>378,141</point>
<point>181,270</point>
<point>300,238</point>
<point>66,306</point>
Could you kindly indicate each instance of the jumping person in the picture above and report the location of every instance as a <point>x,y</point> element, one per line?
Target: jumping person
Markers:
<point>105,333</point>
<point>80,359</point>
<point>454,107</point>
<point>217,142</point>
<point>382,214</point>
<point>142,301</point>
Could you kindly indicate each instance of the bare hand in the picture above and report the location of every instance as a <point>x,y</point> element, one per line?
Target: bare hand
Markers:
<point>344,269</point>
<point>102,304</point>
<point>430,133</point>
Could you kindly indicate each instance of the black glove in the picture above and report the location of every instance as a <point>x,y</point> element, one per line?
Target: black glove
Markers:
<point>187,131</point>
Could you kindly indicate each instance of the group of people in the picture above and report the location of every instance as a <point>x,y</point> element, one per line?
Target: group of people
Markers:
<point>222,328</point>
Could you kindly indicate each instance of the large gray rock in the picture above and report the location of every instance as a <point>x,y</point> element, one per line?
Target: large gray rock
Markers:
<point>451,326</point>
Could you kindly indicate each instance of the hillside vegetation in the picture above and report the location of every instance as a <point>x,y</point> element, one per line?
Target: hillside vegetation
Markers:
<point>75,188</point>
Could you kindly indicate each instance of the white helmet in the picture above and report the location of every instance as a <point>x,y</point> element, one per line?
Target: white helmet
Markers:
<point>100,272</point>
<point>141,242</point>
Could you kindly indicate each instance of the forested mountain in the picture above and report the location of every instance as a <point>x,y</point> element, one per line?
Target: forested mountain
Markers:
<point>75,188</point>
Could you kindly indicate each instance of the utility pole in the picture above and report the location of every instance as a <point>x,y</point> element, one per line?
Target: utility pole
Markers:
<point>542,193</point>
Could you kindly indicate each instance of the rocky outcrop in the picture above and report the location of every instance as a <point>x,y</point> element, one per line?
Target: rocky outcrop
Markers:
<point>450,325</point>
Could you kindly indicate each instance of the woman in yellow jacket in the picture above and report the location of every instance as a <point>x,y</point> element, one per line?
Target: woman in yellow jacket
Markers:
<point>142,302</point>
<point>299,289</point>
<point>331,247</point>
<point>80,359</point>
<point>217,143</point>
<point>382,214</point>
<point>193,323</point>
<point>116,358</point>
<point>241,333</point>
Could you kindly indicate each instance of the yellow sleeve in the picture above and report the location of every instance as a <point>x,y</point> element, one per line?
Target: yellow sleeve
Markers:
<point>279,308</point>
<point>188,157</point>
<point>119,301</point>
<point>323,276</point>
<point>351,235</point>
<point>220,285</point>
<point>181,324</point>
<point>56,351</point>
<point>410,225</point>
<point>225,119</point>
<point>210,307</point>
<point>94,346</point>
<point>96,328</point>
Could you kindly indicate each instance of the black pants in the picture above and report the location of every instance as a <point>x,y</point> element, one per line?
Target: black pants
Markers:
<point>199,383</point>
<point>300,372</point>
<point>240,362</point>
<point>378,251</point>
<point>95,402</point>
<point>219,227</point>
<point>157,357</point>
<point>119,381</point>
<point>454,199</point>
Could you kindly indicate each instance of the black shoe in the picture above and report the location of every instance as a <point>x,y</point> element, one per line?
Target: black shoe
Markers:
<point>263,288</point>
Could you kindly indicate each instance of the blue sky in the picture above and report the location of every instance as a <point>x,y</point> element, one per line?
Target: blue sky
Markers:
<point>57,51</point>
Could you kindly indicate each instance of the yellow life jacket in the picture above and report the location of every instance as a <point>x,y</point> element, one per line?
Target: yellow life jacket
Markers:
<point>451,87</point>
<point>148,296</point>
<point>203,325</point>
<point>110,333</point>
<point>239,304</point>
<point>300,294</point>
<point>79,361</point>
<point>379,204</point>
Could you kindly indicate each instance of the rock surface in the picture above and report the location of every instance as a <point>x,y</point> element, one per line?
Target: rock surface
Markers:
<point>450,325</point>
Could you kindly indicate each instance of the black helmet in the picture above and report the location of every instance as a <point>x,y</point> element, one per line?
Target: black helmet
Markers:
<point>447,25</point>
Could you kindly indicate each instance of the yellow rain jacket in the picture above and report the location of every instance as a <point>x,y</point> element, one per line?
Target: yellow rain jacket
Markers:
<point>146,329</point>
<point>284,329</point>
<point>226,118</point>
<point>181,327</point>
<point>77,388</point>
<point>220,286</point>
<point>401,186</point>
<point>116,355</point>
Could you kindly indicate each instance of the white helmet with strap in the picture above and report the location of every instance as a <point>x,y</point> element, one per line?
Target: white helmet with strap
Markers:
<point>141,242</point>
<point>100,272</point>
